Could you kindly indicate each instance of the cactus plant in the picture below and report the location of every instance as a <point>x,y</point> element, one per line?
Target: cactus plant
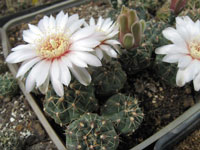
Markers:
<point>78,99</point>
<point>192,10</point>
<point>10,140</point>
<point>165,71</point>
<point>164,13</point>
<point>109,79</point>
<point>91,132</point>
<point>150,5</point>
<point>177,6</point>
<point>8,85</point>
<point>124,112</point>
<point>138,58</point>
<point>117,4</point>
<point>3,66</point>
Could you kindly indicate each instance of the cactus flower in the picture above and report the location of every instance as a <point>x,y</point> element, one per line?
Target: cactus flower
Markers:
<point>106,30</point>
<point>55,47</point>
<point>176,6</point>
<point>184,50</point>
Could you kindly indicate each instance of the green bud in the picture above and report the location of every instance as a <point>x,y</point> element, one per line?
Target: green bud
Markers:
<point>128,41</point>
<point>143,23</point>
<point>123,21</point>
<point>132,18</point>
<point>136,30</point>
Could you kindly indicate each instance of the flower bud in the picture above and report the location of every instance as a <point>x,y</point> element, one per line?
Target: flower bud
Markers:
<point>177,6</point>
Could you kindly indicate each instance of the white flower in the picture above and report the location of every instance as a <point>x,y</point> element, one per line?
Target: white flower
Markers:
<point>55,47</point>
<point>184,50</point>
<point>105,32</point>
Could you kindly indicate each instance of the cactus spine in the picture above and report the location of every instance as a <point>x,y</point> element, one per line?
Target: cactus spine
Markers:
<point>124,112</point>
<point>8,85</point>
<point>109,79</point>
<point>78,99</point>
<point>91,132</point>
<point>10,140</point>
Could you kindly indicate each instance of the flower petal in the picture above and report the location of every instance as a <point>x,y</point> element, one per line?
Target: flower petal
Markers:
<point>83,33</point>
<point>21,55</point>
<point>98,52</point>
<point>44,67</point>
<point>172,58</point>
<point>26,66</point>
<point>188,74</point>
<point>44,87</point>
<point>171,49</point>
<point>55,75</point>
<point>81,74</point>
<point>65,74</point>
<point>75,60</point>
<point>92,21</point>
<point>109,51</point>
<point>196,82</point>
<point>172,35</point>
<point>184,61</point>
<point>88,58</point>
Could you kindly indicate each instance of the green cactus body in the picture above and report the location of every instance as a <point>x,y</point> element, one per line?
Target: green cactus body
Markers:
<point>164,13</point>
<point>193,13</point>
<point>139,58</point>
<point>78,99</point>
<point>136,59</point>
<point>10,140</point>
<point>109,79</point>
<point>150,5</point>
<point>124,112</point>
<point>165,71</point>
<point>153,33</point>
<point>118,3</point>
<point>3,66</point>
<point>91,132</point>
<point>8,85</point>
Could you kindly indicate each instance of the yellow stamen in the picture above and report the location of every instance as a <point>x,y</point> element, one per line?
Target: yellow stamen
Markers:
<point>53,47</point>
<point>195,49</point>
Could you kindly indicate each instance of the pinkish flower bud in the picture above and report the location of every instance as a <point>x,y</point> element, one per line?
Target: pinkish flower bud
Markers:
<point>177,6</point>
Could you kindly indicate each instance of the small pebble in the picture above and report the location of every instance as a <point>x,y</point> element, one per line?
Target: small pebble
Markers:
<point>16,104</point>
<point>7,99</point>
<point>12,119</point>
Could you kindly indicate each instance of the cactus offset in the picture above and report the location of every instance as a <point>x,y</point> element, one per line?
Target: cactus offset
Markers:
<point>124,112</point>
<point>10,140</point>
<point>78,99</point>
<point>109,79</point>
<point>8,85</point>
<point>131,28</point>
<point>91,132</point>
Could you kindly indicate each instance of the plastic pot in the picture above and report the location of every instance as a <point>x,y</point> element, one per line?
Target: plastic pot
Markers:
<point>178,133</point>
<point>57,141</point>
<point>6,18</point>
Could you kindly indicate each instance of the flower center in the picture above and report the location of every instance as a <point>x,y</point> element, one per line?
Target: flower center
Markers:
<point>54,46</point>
<point>195,49</point>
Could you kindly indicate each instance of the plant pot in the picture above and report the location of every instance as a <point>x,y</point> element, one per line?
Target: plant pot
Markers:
<point>14,68</point>
<point>6,18</point>
<point>178,133</point>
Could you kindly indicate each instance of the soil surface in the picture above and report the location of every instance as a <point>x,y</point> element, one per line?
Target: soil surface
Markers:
<point>160,103</point>
<point>8,7</point>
